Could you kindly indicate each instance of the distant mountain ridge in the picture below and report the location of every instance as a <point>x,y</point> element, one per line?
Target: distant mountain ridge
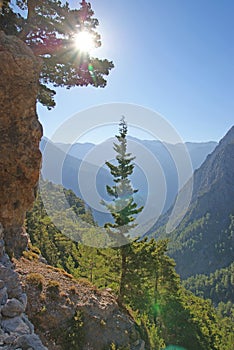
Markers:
<point>204,240</point>
<point>67,159</point>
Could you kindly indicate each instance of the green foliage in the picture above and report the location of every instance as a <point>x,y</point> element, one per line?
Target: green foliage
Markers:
<point>48,27</point>
<point>28,254</point>
<point>166,314</point>
<point>56,248</point>
<point>217,286</point>
<point>202,243</point>
<point>226,310</point>
<point>123,207</point>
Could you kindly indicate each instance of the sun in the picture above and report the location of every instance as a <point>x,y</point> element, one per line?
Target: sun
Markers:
<point>84,41</point>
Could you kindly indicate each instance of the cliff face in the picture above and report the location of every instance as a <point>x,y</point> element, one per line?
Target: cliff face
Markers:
<point>16,331</point>
<point>203,242</point>
<point>20,136</point>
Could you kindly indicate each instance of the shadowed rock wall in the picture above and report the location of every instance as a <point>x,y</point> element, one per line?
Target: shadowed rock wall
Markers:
<point>21,132</point>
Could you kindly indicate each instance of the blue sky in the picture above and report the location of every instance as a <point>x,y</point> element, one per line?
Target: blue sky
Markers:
<point>173,56</point>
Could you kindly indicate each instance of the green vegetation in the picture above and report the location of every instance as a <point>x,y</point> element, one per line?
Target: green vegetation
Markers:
<point>164,311</point>
<point>49,29</point>
<point>140,273</point>
<point>217,286</point>
<point>56,248</point>
<point>123,208</point>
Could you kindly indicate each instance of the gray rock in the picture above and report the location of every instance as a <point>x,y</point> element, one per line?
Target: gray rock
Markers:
<point>23,300</point>
<point>10,339</point>
<point>1,231</point>
<point>12,308</point>
<point>140,345</point>
<point>11,279</point>
<point>16,331</point>
<point>2,248</point>
<point>15,325</point>
<point>28,323</point>
<point>42,260</point>
<point>3,295</point>
<point>30,341</point>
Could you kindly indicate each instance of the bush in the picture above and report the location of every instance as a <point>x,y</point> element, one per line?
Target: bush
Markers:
<point>35,279</point>
<point>72,290</point>
<point>52,288</point>
<point>28,254</point>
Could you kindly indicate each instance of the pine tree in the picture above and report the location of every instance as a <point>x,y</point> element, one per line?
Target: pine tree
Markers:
<point>49,28</point>
<point>123,208</point>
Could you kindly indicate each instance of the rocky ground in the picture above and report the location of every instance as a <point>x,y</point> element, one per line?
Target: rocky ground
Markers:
<point>58,303</point>
<point>16,331</point>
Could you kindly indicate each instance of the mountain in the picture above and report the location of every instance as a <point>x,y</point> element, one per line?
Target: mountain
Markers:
<point>217,286</point>
<point>203,241</point>
<point>62,163</point>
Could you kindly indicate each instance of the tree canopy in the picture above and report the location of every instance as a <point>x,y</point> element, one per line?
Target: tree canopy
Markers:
<point>123,207</point>
<point>49,28</point>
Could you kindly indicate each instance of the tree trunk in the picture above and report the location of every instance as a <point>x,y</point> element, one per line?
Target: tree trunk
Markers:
<point>123,253</point>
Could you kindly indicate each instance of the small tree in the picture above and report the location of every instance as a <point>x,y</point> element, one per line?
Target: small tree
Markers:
<point>49,28</point>
<point>123,208</point>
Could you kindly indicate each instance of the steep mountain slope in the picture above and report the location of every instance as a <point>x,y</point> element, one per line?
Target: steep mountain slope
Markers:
<point>217,286</point>
<point>203,242</point>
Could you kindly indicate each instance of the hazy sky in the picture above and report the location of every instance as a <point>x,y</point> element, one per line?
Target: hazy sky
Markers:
<point>173,56</point>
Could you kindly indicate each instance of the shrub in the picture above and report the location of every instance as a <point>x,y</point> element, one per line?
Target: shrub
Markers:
<point>52,288</point>
<point>35,279</point>
<point>34,249</point>
<point>72,290</point>
<point>30,255</point>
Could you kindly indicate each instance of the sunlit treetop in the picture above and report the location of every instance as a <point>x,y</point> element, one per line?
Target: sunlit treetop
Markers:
<point>62,37</point>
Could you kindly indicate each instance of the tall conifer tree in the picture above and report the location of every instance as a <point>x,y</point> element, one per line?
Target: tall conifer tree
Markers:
<point>123,208</point>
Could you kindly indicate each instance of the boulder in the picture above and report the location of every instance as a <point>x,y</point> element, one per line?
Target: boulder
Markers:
<point>12,308</point>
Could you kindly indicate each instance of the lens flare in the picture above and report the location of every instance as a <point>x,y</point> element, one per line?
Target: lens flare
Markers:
<point>156,309</point>
<point>84,41</point>
<point>91,72</point>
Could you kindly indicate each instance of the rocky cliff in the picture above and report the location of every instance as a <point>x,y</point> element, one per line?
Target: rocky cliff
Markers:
<point>203,242</point>
<point>19,171</point>
<point>20,136</point>
<point>67,314</point>
<point>16,331</point>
